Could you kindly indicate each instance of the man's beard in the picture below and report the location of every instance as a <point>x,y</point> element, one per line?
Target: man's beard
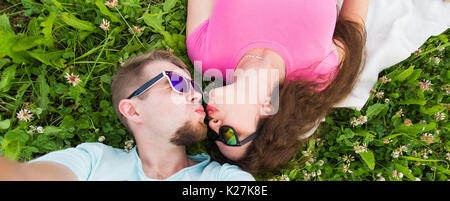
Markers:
<point>189,133</point>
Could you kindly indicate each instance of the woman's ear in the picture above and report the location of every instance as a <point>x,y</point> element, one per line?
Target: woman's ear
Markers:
<point>267,108</point>
<point>128,109</point>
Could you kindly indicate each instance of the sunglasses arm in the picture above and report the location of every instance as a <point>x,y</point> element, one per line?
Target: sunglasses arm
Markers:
<point>147,85</point>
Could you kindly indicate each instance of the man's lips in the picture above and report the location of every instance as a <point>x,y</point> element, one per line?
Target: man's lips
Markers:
<point>200,110</point>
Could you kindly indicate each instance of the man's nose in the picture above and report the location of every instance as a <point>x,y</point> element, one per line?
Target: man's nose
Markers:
<point>194,97</point>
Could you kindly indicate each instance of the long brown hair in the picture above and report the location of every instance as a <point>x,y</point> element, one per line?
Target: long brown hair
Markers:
<point>301,107</point>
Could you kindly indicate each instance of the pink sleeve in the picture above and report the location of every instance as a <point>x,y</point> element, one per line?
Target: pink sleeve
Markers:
<point>195,42</point>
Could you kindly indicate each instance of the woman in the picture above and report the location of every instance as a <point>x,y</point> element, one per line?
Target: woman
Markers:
<point>305,56</point>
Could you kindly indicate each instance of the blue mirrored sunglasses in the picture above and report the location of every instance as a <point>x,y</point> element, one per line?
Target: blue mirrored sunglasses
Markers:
<point>178,83</point>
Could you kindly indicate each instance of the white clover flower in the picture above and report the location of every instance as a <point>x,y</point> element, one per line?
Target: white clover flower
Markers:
<point>128,145</point>
<point>111,3</point>
<point>437,60</point>
<point>24,115</point>
<point>360,148</point>
<point>424,153</point>
<point>358,121</point>
<point>104,25</point>
<point>101,138</point>
<point>348,158</point>
<point>427,138</point>
<point>319,172</point>
<point>137,30</point>
<point>404,148</point>
<point>384,79</point>
<point>396,174</point>
<point>400,113</point>
<point>320,162</point>
<point>380,177</point>
<point>284,178</point>
<point>447,156</point>
<point>32,129</point>
<point>407,122</point>
<point>426,85</point>
<point>447,90</point>
<point>417,52</point>
<point>307,154</point>
<point>319,141</point>
<point>362,119</point>
<point>387,141</point>
<point>395,154</point>
<point>399,151</point>
<point>128,148</point>
<point>39,129</point>
<point>129,142</point>
<point>307,177</point>
<point>439,116</point>
<point>417,179</point>
<point>72,79</point>
<point>354,122</point>
<point>387,100</point>
<point>346,168</point>
<point>312,160</point>
<point>379,94</point>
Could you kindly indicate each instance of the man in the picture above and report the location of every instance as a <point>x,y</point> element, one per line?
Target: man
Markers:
<point>160,106</point>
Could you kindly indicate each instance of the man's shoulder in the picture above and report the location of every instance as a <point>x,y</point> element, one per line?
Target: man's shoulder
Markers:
<point>93,145</point>
<point>97,146</point>
<point>224,172</point>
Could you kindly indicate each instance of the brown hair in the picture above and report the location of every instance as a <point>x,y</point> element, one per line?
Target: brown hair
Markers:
<point>301,108</point>
<point>129,77</point>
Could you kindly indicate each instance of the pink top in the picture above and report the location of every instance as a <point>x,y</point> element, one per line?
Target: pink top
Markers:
<point>301,31</point>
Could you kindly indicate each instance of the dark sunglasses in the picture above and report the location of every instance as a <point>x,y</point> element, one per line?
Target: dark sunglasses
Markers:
<point>229,136</point>
<point>178,83</point>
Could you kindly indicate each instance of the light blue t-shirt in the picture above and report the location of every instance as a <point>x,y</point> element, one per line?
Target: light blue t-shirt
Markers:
<point>96,161</point>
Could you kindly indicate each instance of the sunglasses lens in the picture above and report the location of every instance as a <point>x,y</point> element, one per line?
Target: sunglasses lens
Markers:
<point>178,82</point>
<point>228,135</point>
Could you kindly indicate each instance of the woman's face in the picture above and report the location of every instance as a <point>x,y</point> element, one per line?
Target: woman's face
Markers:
<point>237,106</point>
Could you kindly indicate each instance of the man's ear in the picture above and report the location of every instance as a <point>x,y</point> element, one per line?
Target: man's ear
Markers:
<point>128,109</point>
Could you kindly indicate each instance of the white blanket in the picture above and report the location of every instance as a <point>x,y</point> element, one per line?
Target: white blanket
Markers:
<point>395,29</point>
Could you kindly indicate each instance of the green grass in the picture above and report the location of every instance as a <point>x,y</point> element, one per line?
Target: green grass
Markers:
<point>44,40</point>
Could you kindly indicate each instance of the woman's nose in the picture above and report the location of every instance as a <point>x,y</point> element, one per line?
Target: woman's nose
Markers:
<point>209,96</point>
<point>215,124</point>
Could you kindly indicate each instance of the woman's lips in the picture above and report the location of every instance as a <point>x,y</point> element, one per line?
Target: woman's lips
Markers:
<point>211,110</point>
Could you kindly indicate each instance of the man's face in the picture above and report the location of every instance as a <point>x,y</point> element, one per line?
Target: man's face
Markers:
<point>178,116</point>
